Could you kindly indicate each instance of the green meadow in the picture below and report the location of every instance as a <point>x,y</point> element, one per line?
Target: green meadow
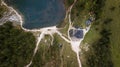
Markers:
<point>112,11</point>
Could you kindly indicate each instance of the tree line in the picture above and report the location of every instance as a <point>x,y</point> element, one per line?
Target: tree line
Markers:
<point>16,46</point>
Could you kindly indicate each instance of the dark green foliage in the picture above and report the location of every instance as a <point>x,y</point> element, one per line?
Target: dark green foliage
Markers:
<point>77,9</point>
<point>2,9</point>
<point>16,46</point>
<point>112,8</point>
<point>68,3</point>
<point>101,49</point>
<point>97,7</point>
<point>108,20</point>
<point>83,9</point>
<point>101,56</point>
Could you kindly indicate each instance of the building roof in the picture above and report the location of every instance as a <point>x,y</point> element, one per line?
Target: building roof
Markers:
<point>88,22</point>
<point>79,34</point>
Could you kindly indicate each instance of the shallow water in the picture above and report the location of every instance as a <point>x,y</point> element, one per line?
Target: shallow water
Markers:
<point>39,13</point>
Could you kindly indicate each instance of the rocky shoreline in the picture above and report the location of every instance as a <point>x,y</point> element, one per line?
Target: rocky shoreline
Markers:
<point>9,15</point>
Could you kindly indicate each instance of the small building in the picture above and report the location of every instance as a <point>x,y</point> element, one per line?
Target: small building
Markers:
<point>88,22</point>
<point>76,34</point>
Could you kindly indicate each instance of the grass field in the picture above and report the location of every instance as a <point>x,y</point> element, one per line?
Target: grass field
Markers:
<point>54,55</point>
<point>112,11</point>
<point>111,17</point>
<point>68,57</point>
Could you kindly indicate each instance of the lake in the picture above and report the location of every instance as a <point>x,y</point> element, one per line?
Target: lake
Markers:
<point>39,13</point>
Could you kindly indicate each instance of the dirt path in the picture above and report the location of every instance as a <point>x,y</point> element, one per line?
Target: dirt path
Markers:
<point>76,44</point>
<point>51,31</point>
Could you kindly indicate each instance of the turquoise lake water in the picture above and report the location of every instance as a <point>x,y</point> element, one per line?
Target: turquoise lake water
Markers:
<point>39,13</point>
